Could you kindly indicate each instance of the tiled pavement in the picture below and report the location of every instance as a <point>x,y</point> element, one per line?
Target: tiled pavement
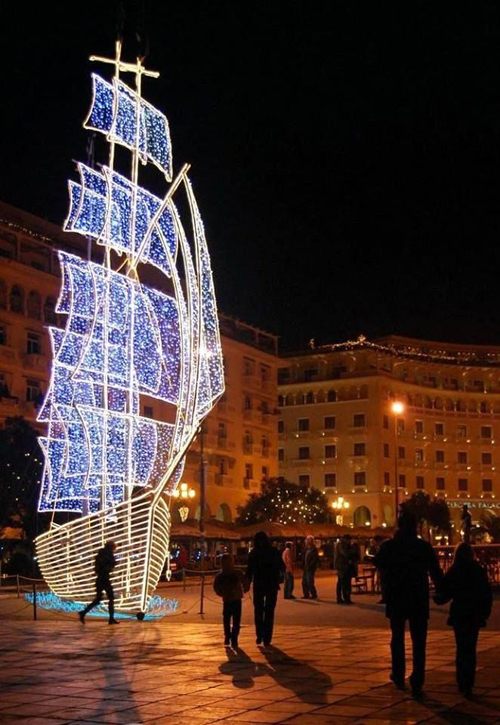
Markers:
<point>172,672</point>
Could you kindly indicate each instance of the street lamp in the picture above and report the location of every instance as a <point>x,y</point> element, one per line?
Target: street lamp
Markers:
<point>184,492</point>
<point>397,408</point>
<point>339,505</point>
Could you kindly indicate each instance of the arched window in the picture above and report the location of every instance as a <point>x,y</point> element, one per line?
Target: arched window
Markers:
<point>309,398</point>
<point>362,516</point>
<point>224,514</point>
<point>34,305</point>
<point>3,295</point>
<point>17,299</point>
<point>331,396</point>
<point>49,311</point>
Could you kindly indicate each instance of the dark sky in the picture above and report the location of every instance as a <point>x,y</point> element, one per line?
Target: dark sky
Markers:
<point>345,155</point>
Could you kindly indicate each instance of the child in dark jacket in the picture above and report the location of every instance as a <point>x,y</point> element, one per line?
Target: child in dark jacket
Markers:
<point>466,585</point>
<point>230,584</point>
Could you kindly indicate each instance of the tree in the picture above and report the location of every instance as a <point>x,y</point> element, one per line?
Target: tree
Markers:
<point>286,503</point>
<point>490,522</point>
<point>20,473</point>
<point>431,511</point>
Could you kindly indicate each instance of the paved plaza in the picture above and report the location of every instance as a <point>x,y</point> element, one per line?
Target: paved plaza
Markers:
<point>56,671</point>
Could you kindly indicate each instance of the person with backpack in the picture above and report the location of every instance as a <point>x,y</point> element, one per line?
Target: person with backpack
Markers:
<point>466,585</point>
<point>104,564</point>
<point>230,584</point>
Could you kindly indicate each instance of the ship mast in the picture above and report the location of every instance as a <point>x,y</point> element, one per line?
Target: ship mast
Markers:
<point>139,70</point>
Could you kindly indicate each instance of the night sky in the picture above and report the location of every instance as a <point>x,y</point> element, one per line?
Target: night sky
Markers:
<point>345,155</point>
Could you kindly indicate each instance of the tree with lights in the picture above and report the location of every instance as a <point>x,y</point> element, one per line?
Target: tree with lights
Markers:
<point>286,503</point>
<point>20,473</point>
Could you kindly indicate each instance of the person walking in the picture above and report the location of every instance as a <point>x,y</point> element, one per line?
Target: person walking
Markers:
<point>406,563</point>
<point>466,585</point>
<point>265,569</point>
<point>289,564</point>
<point>311,561</point>
<point>104,564</point>
<point>345,564</point>
<point>230,584</point>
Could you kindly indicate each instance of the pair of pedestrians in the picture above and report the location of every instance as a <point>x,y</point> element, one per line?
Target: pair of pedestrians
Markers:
<point>406,563</point>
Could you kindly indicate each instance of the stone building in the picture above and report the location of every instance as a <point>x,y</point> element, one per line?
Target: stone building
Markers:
<point>240,439</point>
<point>338,431</point>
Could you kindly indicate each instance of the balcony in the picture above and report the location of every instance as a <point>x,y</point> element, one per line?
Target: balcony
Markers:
<point>250,483</point>
<point>252,449</point>
<point>302,462</point>
<point>222,479</point>
<point>224,444</point>
<point>31,361</point>
<point>253,416</point>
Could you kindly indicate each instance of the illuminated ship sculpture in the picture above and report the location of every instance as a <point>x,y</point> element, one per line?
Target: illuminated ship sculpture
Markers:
<point>123,344</point>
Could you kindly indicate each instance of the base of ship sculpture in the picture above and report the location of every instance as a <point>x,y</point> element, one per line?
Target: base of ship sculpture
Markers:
<point>158,607</point>
<point>139,527</point>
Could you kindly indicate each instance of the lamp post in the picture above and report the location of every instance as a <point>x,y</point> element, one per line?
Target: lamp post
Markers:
<point>397,408</point>
<point>340,505</point>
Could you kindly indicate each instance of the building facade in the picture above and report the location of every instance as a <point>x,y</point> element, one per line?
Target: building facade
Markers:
<point>338,431</point>
<point>240,434</point>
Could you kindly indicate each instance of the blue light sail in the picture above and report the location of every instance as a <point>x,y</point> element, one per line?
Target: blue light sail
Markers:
<point>101,207</point>
<point>118,112</point>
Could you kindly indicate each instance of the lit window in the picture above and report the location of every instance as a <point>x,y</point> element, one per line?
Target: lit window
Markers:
<point>330,480</point>
<point>360,478</point>
<point>440,484</point>
<point>33,344</point>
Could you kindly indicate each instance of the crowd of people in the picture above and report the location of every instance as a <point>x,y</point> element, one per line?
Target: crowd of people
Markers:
<point>404,564</point>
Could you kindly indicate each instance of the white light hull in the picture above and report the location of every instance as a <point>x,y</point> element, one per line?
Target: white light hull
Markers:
<point>140,528</point>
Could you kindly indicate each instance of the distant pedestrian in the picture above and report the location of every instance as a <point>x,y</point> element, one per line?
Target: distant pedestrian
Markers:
<point>104,564</point>
<point>466,585</point>
<point>230,584</point>
<point>289,567</point>
<point>345,562</point>
<point>466,522</point>
<point>406,563</point>
<point>310,564</point>
<point>265,569</point>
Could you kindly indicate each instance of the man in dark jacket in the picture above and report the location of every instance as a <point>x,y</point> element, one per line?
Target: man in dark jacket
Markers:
<point>104,564</point>
<point>266,570</point>
<point>406,563</point>
<point>311,561</point>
